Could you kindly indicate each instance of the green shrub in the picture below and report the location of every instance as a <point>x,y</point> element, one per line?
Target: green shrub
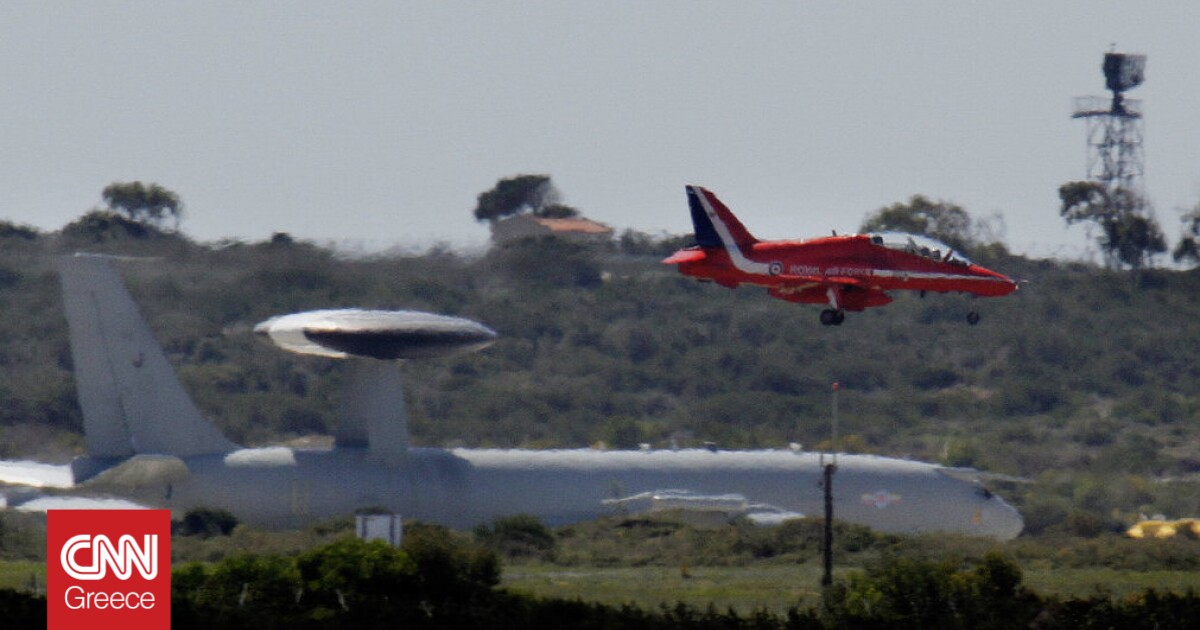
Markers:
<point>518,536</point>
<point>206,522</point>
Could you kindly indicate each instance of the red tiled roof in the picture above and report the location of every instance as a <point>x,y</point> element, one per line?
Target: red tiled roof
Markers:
<point>574,225</point>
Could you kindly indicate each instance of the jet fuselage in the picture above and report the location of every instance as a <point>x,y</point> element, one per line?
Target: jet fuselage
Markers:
<point>282,487</point>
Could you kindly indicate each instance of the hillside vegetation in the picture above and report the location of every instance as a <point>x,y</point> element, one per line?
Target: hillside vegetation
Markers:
<point>1084,381</point>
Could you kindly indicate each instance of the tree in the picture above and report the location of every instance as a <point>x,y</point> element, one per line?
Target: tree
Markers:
<point>519,535</point>
<point>556,211</point>
<point>351,574</point>
<point>635,243</point>
<point>1129,235</point>
<point>142,203</point>
<point>523,193</point>
<point>282,239</point>
<point>945,221</point>
<point>451,571</point>
<point>1136,239</point>
<point>906,593</point>
<point>8,229</point>
<point>207,522</point>
<point>1188,248</point>
<point>99,226</point>
<point>547,262</point>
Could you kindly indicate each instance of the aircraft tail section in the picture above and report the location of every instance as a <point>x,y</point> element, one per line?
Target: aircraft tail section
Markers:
<point>131,399</point>
<point>716,225</point>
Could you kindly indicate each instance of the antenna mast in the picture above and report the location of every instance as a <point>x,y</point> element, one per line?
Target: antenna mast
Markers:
<point>1114,125</point>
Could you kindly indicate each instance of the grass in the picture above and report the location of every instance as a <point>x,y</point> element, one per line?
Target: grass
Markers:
<point>773,587</point>
<point>1118,583</point>
<point>23,575</point>
<point>779,587</point>
<point>642,560</point>
<point>745,589</point>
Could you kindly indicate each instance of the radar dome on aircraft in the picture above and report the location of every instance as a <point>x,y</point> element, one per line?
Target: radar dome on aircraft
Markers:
<point>386,335</point>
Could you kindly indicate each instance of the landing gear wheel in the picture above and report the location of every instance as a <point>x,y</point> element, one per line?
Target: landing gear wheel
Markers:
<point>832,317</point>
<point>972,318</point>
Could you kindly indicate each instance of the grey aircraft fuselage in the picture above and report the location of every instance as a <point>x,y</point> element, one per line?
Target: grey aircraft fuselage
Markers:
<point>280,487</point>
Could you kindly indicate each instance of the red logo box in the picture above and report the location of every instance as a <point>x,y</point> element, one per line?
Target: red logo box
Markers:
<point>108,569</point>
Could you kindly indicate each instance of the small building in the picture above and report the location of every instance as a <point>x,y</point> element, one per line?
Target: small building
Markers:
<point>576,229</point>
<point>386,527</point>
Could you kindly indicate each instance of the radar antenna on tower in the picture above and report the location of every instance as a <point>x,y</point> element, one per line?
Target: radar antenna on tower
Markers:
<point>1114,125</point>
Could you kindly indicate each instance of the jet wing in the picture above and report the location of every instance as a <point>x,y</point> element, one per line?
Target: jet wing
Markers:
<point>41,504</point>
<point>689,502</point>
<point>848,281</point>
<point>853,293</point>
<point>36,487</point>
<point>810,280</point>
<point>35,474</point>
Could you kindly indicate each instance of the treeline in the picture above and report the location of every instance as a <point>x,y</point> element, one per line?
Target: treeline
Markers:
<point>663,540</point>
<point>1085,380</point>
<point>435,582</point>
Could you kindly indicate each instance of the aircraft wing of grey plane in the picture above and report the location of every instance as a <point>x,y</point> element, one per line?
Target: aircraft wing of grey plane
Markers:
<point>148,445</point>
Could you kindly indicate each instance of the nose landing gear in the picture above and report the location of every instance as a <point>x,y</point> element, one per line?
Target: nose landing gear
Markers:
<point>833,317</point>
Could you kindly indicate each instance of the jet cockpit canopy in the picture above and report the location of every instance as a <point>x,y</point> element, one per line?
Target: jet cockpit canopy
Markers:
<point>920,245</point>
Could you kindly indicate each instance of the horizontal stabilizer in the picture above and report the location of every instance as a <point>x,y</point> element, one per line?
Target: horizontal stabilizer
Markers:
<point>685,256</point>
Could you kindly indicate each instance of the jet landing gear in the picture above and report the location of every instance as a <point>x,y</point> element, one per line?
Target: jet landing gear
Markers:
<point>972,318</point>
<point>833,317</point>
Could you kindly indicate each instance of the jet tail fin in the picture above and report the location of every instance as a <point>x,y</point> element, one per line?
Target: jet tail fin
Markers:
<point>716,225</point>
<point>131,399</point>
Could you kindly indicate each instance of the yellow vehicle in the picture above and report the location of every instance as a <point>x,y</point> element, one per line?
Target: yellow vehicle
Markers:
<point>1162,529</point>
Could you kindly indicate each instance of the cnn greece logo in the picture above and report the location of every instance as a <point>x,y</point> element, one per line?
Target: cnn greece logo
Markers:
<point>122,557</point>
<point>112,570</point>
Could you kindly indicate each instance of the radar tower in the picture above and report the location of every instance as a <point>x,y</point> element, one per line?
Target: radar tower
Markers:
<point>1114,125</point>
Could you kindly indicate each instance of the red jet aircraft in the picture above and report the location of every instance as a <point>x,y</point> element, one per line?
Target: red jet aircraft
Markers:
<point>845,273</point>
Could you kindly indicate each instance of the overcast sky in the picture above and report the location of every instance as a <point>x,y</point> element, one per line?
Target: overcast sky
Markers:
<point>380,122</point>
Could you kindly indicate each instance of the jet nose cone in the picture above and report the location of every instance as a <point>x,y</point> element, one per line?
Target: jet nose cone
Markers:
<point>1002,520</point>
<point>1008,283</point>
<point>999,284</point>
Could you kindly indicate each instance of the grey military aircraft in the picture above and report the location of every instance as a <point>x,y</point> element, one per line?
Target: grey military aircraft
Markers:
<point>147,444</point>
